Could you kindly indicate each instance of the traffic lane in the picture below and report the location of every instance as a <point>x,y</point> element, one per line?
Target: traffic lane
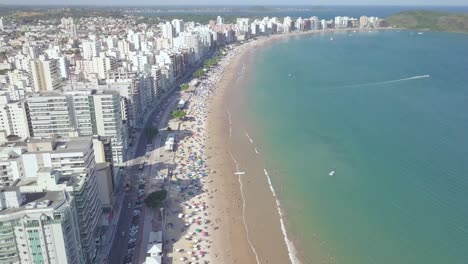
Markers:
<point>119,249</point>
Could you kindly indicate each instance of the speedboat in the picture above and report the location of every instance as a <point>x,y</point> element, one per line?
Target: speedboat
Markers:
<point>331,173</point>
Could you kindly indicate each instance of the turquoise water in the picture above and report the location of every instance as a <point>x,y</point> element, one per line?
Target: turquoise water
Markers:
<point>399,148</point>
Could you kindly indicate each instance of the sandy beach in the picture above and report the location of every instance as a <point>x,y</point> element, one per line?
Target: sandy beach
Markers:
<point>249,225</point>
<point>223,206</point>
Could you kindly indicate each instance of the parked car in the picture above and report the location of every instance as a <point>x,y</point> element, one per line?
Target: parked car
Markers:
<point>122,234</point>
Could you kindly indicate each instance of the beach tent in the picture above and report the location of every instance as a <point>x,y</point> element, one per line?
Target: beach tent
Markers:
<point>153,260</point>
<point>154,249</point>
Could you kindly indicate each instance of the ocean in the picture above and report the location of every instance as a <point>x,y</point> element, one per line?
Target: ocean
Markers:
<point>388,112</point>
<point>323,12</point>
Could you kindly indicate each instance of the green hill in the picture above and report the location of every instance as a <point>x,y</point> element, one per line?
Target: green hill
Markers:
<point>430,20</point>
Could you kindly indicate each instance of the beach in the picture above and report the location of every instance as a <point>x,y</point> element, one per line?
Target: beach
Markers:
<point>224,207</point>
<point>249,221</point>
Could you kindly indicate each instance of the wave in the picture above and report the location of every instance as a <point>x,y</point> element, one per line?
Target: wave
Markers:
<point>391,81</point>
<point>289,244</point>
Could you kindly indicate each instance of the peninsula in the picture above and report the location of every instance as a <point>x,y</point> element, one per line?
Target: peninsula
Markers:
<point>430,20</point>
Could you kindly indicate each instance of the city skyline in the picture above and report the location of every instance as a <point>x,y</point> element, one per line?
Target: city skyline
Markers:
<point>240,3</point>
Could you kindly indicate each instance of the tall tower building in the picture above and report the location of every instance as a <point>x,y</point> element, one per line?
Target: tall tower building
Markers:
<point>219,20</point>
<point>91,48</point>
<point>13,117</point>
<point>178,25</point>
<point>46,75</point>
<point>39,227</point>
<point>50,115</point>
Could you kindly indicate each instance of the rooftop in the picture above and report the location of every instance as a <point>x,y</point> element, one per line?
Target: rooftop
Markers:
<point>36,201</point>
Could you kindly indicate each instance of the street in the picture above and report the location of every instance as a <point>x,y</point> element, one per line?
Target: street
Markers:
<point>145,220</point>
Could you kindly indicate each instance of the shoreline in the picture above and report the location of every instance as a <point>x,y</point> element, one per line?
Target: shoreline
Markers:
<point>237,230</point>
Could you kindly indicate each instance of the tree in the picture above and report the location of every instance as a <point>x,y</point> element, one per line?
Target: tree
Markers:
<point>184,86</point>
<point>198,73</point>
<point>178,114</point>
<point>154,199</point>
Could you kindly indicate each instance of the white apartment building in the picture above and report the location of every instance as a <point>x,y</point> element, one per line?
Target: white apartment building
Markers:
<point>102,65</point>
<point>13,117</point>
<point>74,159</point>
<point>45,75</point>
<point>178,25</point>
<point>49,115</point>
<point>39,228</point>
<point>107,121</point>
<point>91,48</point>
<point>11,165</point>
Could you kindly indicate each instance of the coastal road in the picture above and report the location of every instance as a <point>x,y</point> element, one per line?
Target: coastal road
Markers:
<point>120,243</point>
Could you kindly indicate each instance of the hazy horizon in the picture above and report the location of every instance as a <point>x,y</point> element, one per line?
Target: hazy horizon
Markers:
<point>278,3</point>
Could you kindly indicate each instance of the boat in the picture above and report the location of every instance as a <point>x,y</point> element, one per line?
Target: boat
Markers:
<point>331,38</point>
<point>420,33</point>
<point>289,75</point>
<point>331,173</point>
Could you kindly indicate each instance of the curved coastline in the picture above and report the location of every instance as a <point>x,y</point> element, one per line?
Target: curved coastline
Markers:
<point>234,210</point>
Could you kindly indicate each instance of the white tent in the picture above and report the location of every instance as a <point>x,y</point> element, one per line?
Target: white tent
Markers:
<point>154,249</point>
<point>153,260</point>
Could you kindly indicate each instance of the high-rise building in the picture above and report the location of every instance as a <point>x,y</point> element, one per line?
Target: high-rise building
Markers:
<point>49,115</point>
<point>39,227</point>
<point>287,24</point>
<point>13,117</point>
<point>178,25</point>
<point>91,48</point>
<point>45,75</point>
<point>107,122</point>
<point>102,65</point>
<point>167,31</point>
<point>69,26</point>
<point>219,20</point>
<point>74,159</point>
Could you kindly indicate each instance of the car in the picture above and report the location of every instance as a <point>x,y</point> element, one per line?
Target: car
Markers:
<point>138,205</point>
<point>122,234</point>
<point>129,205</point>
<point>140,181</point>
<point>131,250</point>
<point>141,186</point>
<point>132,240</point>
<point>131,245</point>
<point>136,213</point>
<point>134,227</point>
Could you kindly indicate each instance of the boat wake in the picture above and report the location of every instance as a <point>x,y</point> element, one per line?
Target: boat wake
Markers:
<point>391,81</point>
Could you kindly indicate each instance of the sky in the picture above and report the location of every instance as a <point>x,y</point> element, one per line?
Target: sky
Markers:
<point>238,2</point>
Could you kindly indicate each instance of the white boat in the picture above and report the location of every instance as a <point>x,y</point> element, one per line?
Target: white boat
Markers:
<point>289,75</point>
<point>420,33</point>
<point>331,173</point>
<point>331,38</point>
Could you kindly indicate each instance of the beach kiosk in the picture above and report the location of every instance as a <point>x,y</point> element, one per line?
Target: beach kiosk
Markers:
<point>181,104</point>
